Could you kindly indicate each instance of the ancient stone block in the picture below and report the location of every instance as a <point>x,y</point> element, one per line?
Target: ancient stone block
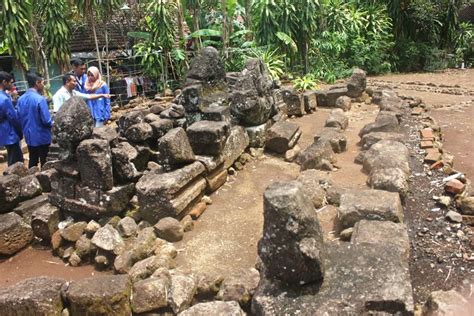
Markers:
<point>123,156</point>
<point>294,102</point>
<point>337,119</point>
<point>216,113</point>
<point>282,136</point>
<point>183,288</point>
<point>207,66</point>
<point>447,303</point>
<point>310,101</point>
<point>15,234</point>
<point>314,185</point>
<point>344,103</point>
<point>214,308</point>
<point>26,208</point>
<point>387,154</point>
<point>235,145</point>
<point>9,192</point>
<point>191,97</point>
<point>130,118</point>
<point>127,227</point>
<point>150,294</point>
<point>369,205</point>
<point>45,177</point>
<point>239,287</point>
<point>108,133</point>
<point>383,123</point>
<point>73,123</point>
<point>257,135</point>
<point>108,239</point>
<point>382,232</point>
<point>356,83</point>
<point>334,137</point>
<point>371,138</point>
<point>387,100</point>
<point>175,147</point>
<point>316,156</point>
<point>146,267</point>
<point>139,133</point>
<point>95,164</point>
<point>208,137</point>
<point>250,110</point>
<point>328,98</point>
<point>30,187</point>
<point>100,295</point>
<point>18,168</point>
<point>292,244</point>
<point>45,220</point>
<point>34,296</point>
<point>160,127</point>
<point>216,179</point>
<point>389,179</point>
<point>169,229</point>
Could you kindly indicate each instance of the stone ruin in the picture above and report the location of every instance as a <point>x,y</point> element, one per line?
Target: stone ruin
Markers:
<point>119,198</point>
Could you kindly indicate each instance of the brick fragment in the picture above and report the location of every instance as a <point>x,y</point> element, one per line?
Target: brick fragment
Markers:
<point>427,134</point>
<point>197,210</point>
<point>454,186</point>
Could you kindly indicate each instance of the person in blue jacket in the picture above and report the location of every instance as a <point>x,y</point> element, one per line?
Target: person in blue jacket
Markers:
<point>10,127</point>
<point>100,108</point>
<point>35,120</point>
<point>79,71</point>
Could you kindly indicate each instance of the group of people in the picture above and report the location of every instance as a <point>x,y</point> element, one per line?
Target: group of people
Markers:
<point>32,119</point>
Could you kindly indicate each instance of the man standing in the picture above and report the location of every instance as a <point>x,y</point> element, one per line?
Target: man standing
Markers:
<point>10,128</point>
<point>35,120</point>
<point>79,71</point>
<point>68,90</point>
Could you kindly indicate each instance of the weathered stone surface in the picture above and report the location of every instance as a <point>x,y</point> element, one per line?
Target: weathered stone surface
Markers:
<point>95,164</point>
<point>139,133</point>
<point>446,303</point>
<point>157,108</point>
<point>328,98</point>
<point>372,138</point>
<point>389,179</point>
<point>383,123</point>
<point>316,156</point>
<point>294,102</point>
<point>26,208</point>
<point>192,97</point>
<point>239,287</point>
<point>250,110</point>
<point>108,133</point>
<point>257,135</point>
<point>175,147</point>
<point>35,296</point>
<point>215,308</point>
<point>130,118</point>
<point>100,295</point>
<point>369,205</point>
<point>207,66</point>
<point>337,119</point>
<point>183,288</point>
<point>363,279</point>
<point>123,156</point>
<point>73,231</point>
<point>356,83</point>
<point>156,191</point>
<point>9,192</point>
<point>466,204</point>
<point>108,239</point>
<point>45,177</point>
<point>334,136</point>
<point>387,100</point>
<point>72,124</point>
<point>292,240</point>
<point>146,267</point>
<point>208,137</point>
<point>15,234</point>
<point>382,232</point>
<point>282,136</point>
<point>387,154</point>
<point>314,185</point>
<point>344,103</point>
<point>291,154</point>
<point>45,220</point>
<point>174,112</point>
<point>310,101</point>
<point>30,187</point>
<point>150,294</point>
<point>127,227</point>
<point>18,168</point>
<point>83,247</point>
<point>454,217</point>
<point>217,113</point>
<point>169,229</point>
<point>160,127</point>
<point>216,179</point>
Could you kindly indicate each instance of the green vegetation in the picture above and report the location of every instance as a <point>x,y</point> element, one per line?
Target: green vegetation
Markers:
<point>312,40</point>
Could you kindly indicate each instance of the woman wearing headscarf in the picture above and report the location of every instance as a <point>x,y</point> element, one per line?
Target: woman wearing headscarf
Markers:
<point>100,108</point>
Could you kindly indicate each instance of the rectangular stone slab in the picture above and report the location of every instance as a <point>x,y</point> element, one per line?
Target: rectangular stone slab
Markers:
<point>371,205</point>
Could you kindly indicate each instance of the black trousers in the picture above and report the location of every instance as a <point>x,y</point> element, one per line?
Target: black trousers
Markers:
<point>14,153</point>
<point>38,154</point>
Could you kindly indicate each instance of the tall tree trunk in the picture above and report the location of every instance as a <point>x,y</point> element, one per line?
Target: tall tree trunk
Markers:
<point>248,14</point>
<point>94,32</point>
<point>196,14</point>
<point>224,27</point>
<point>41,60</point>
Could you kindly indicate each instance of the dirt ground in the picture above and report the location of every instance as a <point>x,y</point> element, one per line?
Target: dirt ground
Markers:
<point>224,239</point>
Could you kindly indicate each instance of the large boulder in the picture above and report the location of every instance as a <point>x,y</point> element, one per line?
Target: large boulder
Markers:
<point>100,295</point>
<point>310,101</point>
<point>150,294</point>
<point>369,205</point>
<point>235,145</point>
<point>292,244</point>
<point>250,110</point>
<point>10,190</point>
<point>169,229</point>
<point>207,66</point>
<point>389,179</point>
<point>282,136</point>
<point>72,124</point>
<point>239,286</point>
<point>95,164</point>
<point>318,155</point>
<point>45,221</point>
<point>123,156</point>
<point>334,136</point>
<point>139,133</point>
<point>108,239</point>
<point>387,154</point>
<point>384,122</point>
<point>372,138</point>
<point>175,148</point>
<point>294,102</point>
<point>337,119</point>
<point>130,118</point>
<point>15,234</point>
<point>387,100</point>
<point>357,83</point>
<point>30,187</point>
<point>314,185</point>
<point>208,137</point>
<point>183,288</point>
<point>35,296</point>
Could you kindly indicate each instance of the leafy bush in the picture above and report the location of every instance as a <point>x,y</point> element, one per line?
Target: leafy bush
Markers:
<point>307,82</point>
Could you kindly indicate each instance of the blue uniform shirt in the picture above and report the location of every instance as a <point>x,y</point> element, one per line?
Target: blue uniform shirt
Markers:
<point>100,108</point>
<point>81,83</point>
<point>35,118</point>
<point>10,128</point>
